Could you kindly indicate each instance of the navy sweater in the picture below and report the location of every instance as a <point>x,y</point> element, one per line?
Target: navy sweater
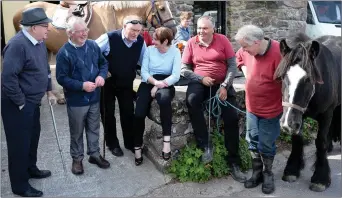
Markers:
<point>26,72</point>
<point>75,65</point>
<point>122,59</point>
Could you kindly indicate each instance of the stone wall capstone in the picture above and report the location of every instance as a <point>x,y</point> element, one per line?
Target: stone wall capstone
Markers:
<point>276,18</point>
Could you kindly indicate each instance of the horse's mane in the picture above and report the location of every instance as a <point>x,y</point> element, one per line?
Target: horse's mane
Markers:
<point>296,38</point>
<point>119,5</point>
<point>299,43</point>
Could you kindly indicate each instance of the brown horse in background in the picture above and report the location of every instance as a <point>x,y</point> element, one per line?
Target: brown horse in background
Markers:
<point>106,16</point>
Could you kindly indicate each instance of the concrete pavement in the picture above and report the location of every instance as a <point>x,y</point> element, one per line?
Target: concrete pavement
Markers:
<point>124,179</point>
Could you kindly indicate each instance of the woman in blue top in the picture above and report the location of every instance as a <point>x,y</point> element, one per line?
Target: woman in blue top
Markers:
<point>159,72</point>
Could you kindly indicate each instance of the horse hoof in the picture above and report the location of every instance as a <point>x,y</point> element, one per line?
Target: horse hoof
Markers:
<point>317,187</point>
<point>61,101</point>
<point>289,178</point>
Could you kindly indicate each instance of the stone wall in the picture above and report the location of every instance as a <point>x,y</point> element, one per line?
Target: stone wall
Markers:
<point>276,18</point>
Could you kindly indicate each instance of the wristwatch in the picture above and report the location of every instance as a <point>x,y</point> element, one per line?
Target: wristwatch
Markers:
<point>224,85</point>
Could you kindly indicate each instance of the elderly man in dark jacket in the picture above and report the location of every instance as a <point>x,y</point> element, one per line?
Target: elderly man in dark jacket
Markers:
<point>80,70</point>
<point>25,79</point>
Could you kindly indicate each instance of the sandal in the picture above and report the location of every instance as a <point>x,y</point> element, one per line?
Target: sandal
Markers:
<point>166,156</point>
<point>138,161</point>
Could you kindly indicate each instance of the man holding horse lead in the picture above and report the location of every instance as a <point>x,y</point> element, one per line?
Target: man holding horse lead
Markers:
<point>209,63</point>
<point>81,70</point>
<point>258,58</point>
<point>25,78</point>
<point>123,49</point>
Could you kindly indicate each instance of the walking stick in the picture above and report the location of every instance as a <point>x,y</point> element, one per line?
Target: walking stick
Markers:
<point>209,156</point>
<point>104,121</point>
<point>56,133</point>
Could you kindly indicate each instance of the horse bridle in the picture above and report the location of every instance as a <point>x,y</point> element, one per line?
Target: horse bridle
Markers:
<point>299,108</point>
<point>155,15</point>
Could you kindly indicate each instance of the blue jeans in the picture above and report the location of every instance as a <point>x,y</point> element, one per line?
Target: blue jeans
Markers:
<point>262,133</point>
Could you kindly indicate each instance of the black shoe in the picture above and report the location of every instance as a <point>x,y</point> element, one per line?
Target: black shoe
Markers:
<point>77,167</point>
<point>39,174</point>
<point>237,174</point>
<point>166,156</point>
<point>117,152</point>
<point>139,161</point>
<point>31,192</point>
<point>99,161</point>
<point>257,166</point>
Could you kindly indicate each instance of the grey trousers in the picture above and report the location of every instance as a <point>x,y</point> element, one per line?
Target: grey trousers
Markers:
<point>84,118</point>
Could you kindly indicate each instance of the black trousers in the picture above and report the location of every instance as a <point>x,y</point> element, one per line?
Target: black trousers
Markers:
<point>196,94</point>
<point>109,93</point>
<point>164,97</point>
<point>22,130</point>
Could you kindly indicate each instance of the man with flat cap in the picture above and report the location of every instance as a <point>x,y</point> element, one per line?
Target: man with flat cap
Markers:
<point>25,79</point>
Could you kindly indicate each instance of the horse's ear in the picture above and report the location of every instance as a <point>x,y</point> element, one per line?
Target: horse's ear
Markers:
<point>284,48</point>
<point>313,53</point>
<point>314,49</point>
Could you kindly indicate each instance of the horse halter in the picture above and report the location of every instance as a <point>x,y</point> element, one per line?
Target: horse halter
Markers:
<point>297,107</point>
<point>155,15</point>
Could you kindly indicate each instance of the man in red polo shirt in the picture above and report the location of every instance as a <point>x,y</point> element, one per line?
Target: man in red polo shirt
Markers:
<point>209,61</point>
<point>258,58</point>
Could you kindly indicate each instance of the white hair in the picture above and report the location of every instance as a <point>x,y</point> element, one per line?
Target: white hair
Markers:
<point>209,18</point>
<point>72,21</point>
<point>130,18</point>
<point>27,28</point>
<point>249,33</point>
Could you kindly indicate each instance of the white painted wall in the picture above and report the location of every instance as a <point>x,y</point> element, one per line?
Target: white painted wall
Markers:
<point>9,8</point>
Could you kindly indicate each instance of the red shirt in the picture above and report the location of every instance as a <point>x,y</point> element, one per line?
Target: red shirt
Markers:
<point>209,61</point>
<point>263,94</point>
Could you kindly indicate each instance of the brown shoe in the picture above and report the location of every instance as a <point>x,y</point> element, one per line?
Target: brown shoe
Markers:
<point>99,161</point>
<point>77,167</point>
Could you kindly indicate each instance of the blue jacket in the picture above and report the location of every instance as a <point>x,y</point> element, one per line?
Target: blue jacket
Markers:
<point>183,34</point>
<point>25,75</point>
<point>75,65</point>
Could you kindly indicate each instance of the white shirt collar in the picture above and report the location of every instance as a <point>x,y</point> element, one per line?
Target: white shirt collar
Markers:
<point>28,35</point>
<point>74,45</point>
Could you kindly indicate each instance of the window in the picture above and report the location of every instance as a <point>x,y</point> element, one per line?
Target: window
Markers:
<point>328,11</point>
<point>215,9</point>
<point>309,17</point>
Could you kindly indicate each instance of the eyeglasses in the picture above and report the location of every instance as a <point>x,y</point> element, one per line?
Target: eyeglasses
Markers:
<point>134,22</point>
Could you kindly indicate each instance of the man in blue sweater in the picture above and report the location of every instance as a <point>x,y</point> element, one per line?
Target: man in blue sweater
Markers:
<point>25,79</point>
<point>123,49</point>
<point>81,70</point>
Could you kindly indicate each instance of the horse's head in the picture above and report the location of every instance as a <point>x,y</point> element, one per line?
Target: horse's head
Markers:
<point>159,14</point>
<point>299,74</point>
